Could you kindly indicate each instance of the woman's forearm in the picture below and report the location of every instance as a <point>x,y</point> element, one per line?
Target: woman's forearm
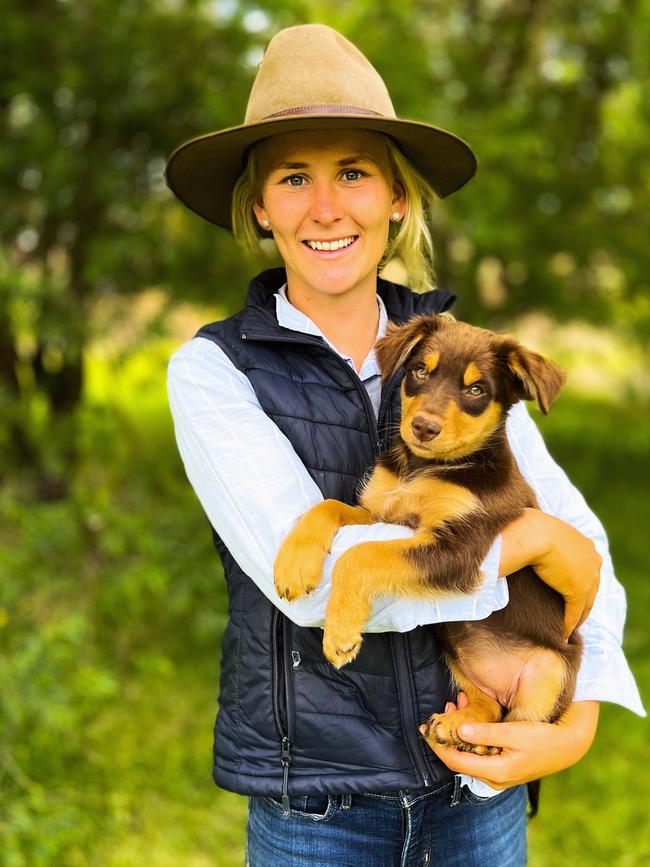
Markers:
<point>561,556</point>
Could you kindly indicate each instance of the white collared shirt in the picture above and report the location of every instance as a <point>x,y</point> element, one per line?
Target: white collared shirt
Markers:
<point>253,488</point>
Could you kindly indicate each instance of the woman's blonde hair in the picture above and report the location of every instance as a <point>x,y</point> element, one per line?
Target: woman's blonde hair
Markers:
<point>409,240</point>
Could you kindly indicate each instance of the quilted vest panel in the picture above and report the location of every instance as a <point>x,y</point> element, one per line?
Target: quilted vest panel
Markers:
<point>288,722</point>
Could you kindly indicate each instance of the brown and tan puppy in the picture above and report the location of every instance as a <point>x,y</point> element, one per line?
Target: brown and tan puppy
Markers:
<point>450,475</point>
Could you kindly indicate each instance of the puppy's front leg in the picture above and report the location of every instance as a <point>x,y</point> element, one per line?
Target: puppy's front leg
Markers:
<point>298,567</point>
<point>360,574</point>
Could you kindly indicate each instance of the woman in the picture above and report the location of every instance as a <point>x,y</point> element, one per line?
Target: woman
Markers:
<point>280,406</point>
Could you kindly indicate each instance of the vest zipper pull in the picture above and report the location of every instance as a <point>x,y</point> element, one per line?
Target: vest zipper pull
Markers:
<point>286,761</point>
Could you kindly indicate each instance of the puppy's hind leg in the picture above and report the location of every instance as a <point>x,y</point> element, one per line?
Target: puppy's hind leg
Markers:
<point>544,689</point>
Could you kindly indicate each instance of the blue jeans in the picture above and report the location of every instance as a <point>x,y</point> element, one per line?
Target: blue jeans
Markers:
<point>442,827</point>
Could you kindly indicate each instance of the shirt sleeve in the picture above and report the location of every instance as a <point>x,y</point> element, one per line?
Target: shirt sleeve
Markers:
<point>253,487</point>
<point>604,673</point>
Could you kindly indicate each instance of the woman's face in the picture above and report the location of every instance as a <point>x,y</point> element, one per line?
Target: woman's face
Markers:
<point>321,187</point>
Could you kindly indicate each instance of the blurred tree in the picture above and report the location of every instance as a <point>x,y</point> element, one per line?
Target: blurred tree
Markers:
<point>95,94</point>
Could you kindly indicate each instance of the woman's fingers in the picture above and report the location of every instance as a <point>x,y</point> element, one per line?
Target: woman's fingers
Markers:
<point>576,610</point>
<point>490,734</point>
<point>575,613</point>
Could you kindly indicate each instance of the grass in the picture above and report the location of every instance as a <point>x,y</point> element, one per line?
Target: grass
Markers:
<point>111,611</point>
<point>595,813</point>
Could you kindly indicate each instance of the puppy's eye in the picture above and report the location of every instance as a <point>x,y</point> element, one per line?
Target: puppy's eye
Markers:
<point>476,390</point>
<point>420,372</point>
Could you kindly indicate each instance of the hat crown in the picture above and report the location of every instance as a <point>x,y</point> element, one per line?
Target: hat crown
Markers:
<point>309,68</point>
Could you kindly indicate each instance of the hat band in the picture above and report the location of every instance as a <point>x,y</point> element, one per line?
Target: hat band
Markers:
<point>327,109</point>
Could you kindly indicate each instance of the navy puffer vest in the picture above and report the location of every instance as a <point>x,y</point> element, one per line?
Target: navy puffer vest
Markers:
<point>289,722</point>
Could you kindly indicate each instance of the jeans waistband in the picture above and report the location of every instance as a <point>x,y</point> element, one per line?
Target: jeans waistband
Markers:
<point>408,797</point>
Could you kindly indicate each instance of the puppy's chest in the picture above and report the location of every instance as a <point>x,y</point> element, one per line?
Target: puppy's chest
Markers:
<point>424,501</point>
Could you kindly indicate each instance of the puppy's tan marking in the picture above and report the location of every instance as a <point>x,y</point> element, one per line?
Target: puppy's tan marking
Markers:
<point>432,360</point>
<point>472,374</point>
<point>467,431</point>
<point>434,500</point>
<point>461,434</point>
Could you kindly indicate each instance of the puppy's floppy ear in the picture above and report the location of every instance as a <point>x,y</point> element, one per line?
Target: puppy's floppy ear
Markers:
<point>533,376</point>
<point>400,340</point>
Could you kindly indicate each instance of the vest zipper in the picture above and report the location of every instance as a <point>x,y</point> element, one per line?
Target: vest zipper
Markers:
<point>400,656</point>
<point>282,685</point>
<point>421,750</point>
<point>409,722</point>
<point>288,694</point>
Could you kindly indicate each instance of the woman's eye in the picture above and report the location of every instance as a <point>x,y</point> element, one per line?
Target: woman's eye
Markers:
<point>357,174</point>
<point>476,390</point>
<point>294,180</point>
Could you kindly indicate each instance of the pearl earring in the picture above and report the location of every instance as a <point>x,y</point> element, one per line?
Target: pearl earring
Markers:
<point>396,216</point>
<point>265,224</point>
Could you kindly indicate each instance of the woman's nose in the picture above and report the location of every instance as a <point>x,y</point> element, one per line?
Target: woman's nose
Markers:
<point>325,204</point>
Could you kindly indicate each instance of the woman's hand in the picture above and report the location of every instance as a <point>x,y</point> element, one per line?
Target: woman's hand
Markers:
<point>562,557</point>
<point>529,750</point>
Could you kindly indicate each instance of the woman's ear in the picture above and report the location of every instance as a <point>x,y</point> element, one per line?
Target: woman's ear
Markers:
<point>260,215</point>
<point>534,377</point>
<point>399,342</point>
<point>398,203</point>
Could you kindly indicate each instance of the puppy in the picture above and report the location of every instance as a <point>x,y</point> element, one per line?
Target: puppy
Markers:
<point>450,475</point>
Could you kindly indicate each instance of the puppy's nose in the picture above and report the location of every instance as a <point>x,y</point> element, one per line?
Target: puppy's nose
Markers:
<point>425,429</point>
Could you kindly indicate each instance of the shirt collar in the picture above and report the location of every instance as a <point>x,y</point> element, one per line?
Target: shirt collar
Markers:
<point>290,317</point>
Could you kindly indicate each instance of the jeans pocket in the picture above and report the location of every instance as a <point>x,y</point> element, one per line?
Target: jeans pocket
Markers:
<point>316,808</point>
<point>473,798</point>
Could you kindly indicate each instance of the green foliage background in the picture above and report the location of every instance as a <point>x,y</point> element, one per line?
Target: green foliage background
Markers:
<point>111,600</point>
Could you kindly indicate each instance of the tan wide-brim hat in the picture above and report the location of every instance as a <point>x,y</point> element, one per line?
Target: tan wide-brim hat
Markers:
<point>311,77</point>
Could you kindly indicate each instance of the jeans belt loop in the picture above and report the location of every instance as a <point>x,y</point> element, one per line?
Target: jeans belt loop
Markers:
<point>455,798</point>
<point>346,802</point>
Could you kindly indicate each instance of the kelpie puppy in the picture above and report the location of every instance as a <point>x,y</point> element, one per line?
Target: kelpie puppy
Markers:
<point>450,475</point>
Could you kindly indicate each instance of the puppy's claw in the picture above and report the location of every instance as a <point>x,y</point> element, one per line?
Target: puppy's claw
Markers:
<point>440,728</point>
<point>339,656</point>
<point>298,573</point>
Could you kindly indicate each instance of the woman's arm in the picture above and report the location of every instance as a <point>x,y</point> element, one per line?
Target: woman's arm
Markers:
<point>604,673</point>
<point>253,488</point>
<point>560,555</point>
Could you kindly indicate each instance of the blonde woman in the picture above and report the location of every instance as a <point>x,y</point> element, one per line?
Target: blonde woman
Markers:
<point>280,406</point>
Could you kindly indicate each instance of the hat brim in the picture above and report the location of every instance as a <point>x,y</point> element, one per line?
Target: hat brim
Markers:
<point>202,172</point>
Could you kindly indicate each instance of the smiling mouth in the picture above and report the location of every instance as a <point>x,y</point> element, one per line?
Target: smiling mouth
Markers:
<point>335,247</point>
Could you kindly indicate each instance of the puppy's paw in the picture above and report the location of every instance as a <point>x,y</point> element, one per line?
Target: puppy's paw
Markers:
<point>298,567</point>
<point>340,645</point>
<point>442,728</point>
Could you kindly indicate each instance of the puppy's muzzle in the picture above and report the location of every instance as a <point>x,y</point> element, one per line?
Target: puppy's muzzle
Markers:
<point>425,429</point>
